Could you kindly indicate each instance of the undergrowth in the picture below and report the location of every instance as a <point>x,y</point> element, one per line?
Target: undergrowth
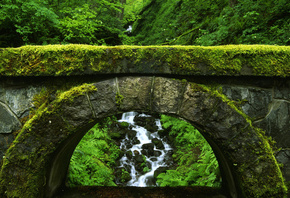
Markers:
<point>197,165</point>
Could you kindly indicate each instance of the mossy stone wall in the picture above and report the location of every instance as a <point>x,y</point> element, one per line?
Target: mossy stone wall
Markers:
<point>253,80</point>
<point>36,162</point>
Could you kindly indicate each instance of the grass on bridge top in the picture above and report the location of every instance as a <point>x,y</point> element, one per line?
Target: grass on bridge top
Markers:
<point>74,59</point>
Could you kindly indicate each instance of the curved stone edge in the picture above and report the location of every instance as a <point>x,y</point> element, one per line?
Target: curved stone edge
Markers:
<point>30,168</point>
<point>234,133</point>
<point>273,182</point>
<point>24,170</point>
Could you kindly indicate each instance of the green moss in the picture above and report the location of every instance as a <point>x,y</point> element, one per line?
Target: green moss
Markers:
<point>119,99</point>
<point>256,187</point>
<point>32,163</point>
<point>55,60</point>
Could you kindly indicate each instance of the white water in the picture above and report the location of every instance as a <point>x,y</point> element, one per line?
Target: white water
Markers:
<point>144,137</point>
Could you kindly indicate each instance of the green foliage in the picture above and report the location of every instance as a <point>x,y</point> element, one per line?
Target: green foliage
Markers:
<point>26,22</point>
<point>219,22</point>
<point>155,22</point>
<point>93,158</point>
<point>197,165</point>
<point>79,26</point>
<point>95,23</point>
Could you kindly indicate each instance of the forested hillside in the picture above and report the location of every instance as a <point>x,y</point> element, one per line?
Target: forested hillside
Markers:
<point>206,22</point>
<point>154,22</point>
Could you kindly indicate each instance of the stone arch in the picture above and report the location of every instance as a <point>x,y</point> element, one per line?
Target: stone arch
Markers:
<point>36,163</point>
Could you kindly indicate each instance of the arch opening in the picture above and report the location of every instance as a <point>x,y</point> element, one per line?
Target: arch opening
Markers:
<point>134,149</point>
<point>185,129</point>
<point>37,156</point>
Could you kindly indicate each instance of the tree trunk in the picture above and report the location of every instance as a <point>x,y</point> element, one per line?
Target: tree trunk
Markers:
<point>121,14</point>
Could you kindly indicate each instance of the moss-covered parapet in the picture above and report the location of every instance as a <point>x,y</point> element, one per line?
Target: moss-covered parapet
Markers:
<point>230,60</point>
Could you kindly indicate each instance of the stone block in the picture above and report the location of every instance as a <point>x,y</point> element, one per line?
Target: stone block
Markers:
<point>136,93</point>
<point>104,99</point>
<point>282,91</point>
<point>167,95</point>
<point>20,100</point>
<point>254,101</point>
<point>196,105</point>
<point>277,123</point>
<point>78,112</point>
<point>8,121</point>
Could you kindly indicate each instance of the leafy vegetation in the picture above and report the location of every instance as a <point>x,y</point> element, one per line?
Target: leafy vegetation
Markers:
<point>197,165</point>
<point>218,22</point>
<point>94,158</point>
<point>154,22</point>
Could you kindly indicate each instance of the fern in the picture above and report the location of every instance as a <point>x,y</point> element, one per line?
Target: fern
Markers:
<point>93,158</point>
<point>197,165</point>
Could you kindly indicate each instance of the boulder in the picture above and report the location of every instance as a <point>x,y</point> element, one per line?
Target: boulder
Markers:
<point>131,134</point>
<point>158,143</point>
<point>148,149</point>
<point>138,158</point>
<point>121,175</point>
<point>161,169</point>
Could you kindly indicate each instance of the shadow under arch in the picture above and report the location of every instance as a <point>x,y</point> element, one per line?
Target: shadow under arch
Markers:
<point>36,163</point>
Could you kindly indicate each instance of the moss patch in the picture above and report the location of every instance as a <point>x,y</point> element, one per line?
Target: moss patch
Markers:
<point>57,60</point>
<point>24,168</point>
<point>275,185</point>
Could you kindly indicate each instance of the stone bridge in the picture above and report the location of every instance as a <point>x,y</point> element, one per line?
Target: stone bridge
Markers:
<point>238,97</point>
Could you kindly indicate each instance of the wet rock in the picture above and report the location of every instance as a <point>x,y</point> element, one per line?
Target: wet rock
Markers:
<point>153,159</point>
<point>123,125</point>
<point>131,134</point>
<point>148,149</point>
<point>138,158</point>
<point>157,153</point>
<point>158,143</point>
<point>163,133</point>
<point>149,165</point>
<point>151,128</point>
<point>161,169</point>
<point>135,140</point>
<point>129,154</point>
<point>128,144</point>
<point>121,175</point>
<point>143,121</point>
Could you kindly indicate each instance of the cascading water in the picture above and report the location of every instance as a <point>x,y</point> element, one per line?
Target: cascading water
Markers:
<point>147,145</point>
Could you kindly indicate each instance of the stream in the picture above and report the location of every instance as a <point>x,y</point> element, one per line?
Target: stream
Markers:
<point>146,144</point>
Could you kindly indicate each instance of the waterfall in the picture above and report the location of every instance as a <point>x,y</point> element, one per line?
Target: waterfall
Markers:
<point>142,146</point>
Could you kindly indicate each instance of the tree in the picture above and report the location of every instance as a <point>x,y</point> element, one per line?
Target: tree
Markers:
<point>205,22</point>
<point>23,22</point>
